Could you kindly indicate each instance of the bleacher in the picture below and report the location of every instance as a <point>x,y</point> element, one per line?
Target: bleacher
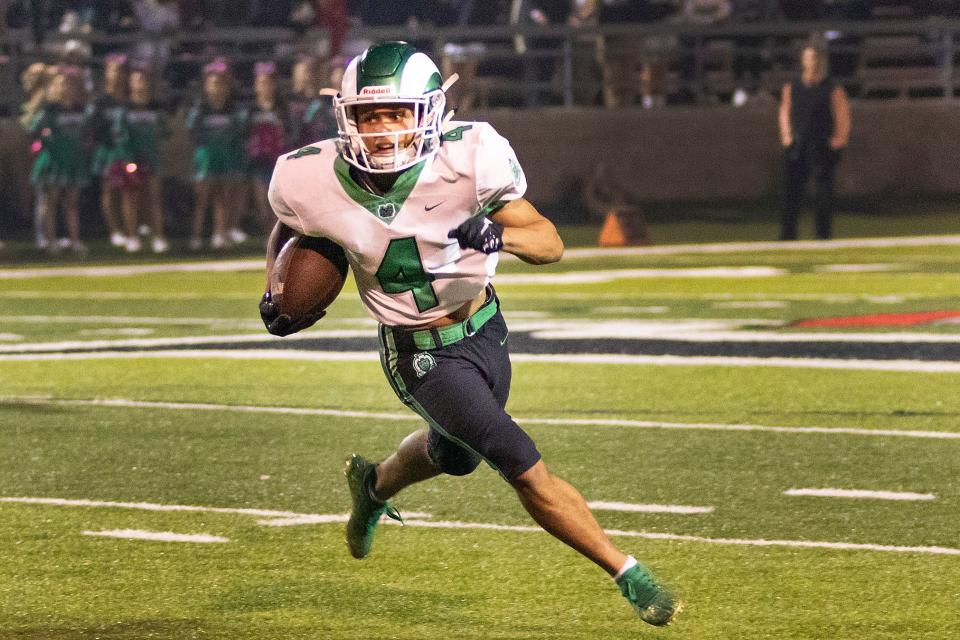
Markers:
<point>895,55</point>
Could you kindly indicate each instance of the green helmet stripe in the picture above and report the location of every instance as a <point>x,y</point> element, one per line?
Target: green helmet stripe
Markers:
<point>434,82</point>
<point>383,64</point>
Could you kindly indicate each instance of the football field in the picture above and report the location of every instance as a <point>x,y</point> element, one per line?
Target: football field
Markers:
<point>775,429</point>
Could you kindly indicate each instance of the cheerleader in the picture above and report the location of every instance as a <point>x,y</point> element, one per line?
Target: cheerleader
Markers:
<point>218,130</point>
<point>137,178</point>
<point>35,80</point>
<point>310,115</point>
<point>60,169</point>
<point>266,139</point>
<point>108,155</point>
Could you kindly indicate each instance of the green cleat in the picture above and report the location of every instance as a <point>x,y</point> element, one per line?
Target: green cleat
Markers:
<point>654,604</point>
<point>366,512</point>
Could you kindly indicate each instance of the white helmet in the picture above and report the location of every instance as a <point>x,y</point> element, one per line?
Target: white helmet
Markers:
<point>390,73</point>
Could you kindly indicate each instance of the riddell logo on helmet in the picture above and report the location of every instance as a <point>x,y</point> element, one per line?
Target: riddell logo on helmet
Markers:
<point>375,91</point>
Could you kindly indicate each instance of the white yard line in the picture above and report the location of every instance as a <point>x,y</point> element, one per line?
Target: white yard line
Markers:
<point>862,268</point>
<point>740,247</point>
<point>158,536</point>
<point>411,417</point>
<point>256,264</point>
<point>600,505</point>
<point>909,366</point>
<point>413,521</point>
<point>453,524</point>
<point>861,494</point>
<point>212,266</point>
<point>141,320</point>
<point>594,277</point>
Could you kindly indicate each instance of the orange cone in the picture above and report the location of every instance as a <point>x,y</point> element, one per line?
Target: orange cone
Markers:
<point>612,233</point>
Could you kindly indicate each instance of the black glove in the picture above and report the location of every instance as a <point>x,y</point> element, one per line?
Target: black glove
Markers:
<point>479,233</point>
<point>281,324</point>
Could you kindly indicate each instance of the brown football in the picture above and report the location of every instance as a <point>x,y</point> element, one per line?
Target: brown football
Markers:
<point>307,275</point>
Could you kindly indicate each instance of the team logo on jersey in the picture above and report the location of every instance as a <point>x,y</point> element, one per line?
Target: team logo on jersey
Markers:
<point>517,174</point>
<point>387,210</point>
<point>422,363</point>
<point>305,151</point>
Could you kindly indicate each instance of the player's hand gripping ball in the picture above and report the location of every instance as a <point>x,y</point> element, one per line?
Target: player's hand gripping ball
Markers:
<point>307,276</point>
<point>479,233</point>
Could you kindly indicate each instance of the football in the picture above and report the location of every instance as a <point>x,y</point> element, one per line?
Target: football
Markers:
<point>307,276</point>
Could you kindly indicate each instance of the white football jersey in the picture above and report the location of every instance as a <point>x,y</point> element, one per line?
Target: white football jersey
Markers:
<point>407,270</point>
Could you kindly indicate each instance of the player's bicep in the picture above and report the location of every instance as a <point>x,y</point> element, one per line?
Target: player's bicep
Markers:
<point>285,214</point>
<point>518,213</point>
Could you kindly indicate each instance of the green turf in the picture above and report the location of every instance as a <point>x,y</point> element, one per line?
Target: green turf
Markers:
<point>438,583</point>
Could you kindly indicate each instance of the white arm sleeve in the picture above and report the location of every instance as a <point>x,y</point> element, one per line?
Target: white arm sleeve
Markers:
<point>284,213</point>
<point>499,176</point>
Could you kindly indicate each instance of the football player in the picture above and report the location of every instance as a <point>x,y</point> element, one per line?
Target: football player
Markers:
<point>422,208</point>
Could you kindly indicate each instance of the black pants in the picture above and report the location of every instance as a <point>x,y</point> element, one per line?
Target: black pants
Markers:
<point>461,391</point>
<point>801,162</point>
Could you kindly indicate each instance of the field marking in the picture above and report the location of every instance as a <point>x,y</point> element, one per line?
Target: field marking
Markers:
<point>861,493</point>
<point>600,505</point>
<point>751,304</point>
<point>221,266</point>
<point>568,277</point>
<point>11,336</point>
<point>908,366</point>
<point>411,417</point>
<point>118,331</point>
<point>147,320</point>
<point>159,536</point>
<point>455,524</point>
<point>121,295</point>
<point>863,268</point>
<point>600,276</point>
<point>739,247</point>
<point>679,329</point>
<point>212,266</point>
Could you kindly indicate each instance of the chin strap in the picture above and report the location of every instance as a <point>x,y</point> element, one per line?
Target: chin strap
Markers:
<point>449,82</point>
<point>446,119</point>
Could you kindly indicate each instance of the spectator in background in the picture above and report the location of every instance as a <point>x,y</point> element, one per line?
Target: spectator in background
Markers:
<point>218,128</point>
<point>266,138</point>
<point>631,69</point>
<point>705,12</point>
<point>157,19</point>
<point>814,124</point>
<point>61,167</point>
<point>333,16</point>
<point>309,114</point>
<point>104,111</point>
<point>143,126</point>
<point>34,80</point>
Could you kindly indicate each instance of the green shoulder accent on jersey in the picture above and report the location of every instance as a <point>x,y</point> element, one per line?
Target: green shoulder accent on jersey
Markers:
<point>383,65</point>
<point>455,134</point>
<point>387,206</point>
<point>304,151</point>
<point>491,208</point>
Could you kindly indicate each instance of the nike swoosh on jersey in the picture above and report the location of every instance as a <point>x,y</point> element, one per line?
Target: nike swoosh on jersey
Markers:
<point>426,208</point>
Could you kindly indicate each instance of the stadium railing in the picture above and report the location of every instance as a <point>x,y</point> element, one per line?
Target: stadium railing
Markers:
<point>561,65</point>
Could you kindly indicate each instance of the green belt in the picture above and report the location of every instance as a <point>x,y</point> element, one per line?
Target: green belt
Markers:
<point>426,339</point>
